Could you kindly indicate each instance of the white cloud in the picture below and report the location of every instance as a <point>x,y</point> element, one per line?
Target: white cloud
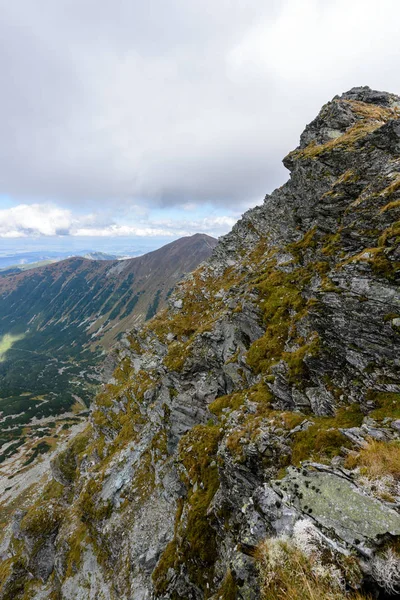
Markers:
<point>36,219</point>
<point>42,220</point>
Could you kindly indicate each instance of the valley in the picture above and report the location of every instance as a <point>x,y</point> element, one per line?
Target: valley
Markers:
<point>56,324</point>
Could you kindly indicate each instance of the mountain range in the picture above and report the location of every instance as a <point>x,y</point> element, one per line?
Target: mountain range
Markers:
<point>57,320</point>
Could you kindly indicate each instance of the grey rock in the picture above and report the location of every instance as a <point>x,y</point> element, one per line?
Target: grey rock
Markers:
<point>336,504</point>
<point>322,401</point>
<point>178,304</point>
<point>396,424</point>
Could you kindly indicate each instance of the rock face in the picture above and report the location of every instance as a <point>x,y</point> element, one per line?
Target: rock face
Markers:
<point>255,401</point>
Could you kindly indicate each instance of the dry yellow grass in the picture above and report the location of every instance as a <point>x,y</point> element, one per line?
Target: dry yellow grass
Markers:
<point>377,459</point>
<point>390,205</point>
<point>286,573</point>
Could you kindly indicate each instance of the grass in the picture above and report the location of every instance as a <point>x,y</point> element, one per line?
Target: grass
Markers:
<point>67,461</point>
<point>194,543</point>
<point>371,117</point>
<point>178,352</point>
<point>40,448</point>
<point>323,440</point>
<point>75,543</point>
<point>390,205</point>
<point>280,297</point>
<point>387,405</point>
<point>286,573</point>
<point>6,343</point>
<point>283,304</point>
<point>231,402</point>
<point>229,588</point>
<point>377,459</point>
<point>40,522</point>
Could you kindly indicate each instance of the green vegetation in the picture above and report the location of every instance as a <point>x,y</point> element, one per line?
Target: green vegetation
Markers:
<point>46,390</point>
<point>15,586</point>
<point>372,117</point>
<point>194,543</point>
<point>6,342</point>
<point>61,317</point>
<point>40,448</point>
<point>67,461</point>
<point>281,298</point>
<point>258,437</point>
<point>323,440</point>
<point>75,542</point>
<point>40,522</point>
<point>201,309</point>
<point>229,588</point>
<point>231,402</point>
<point>153,306</point>
<point>387,405</point>
<point>177,355</point>
<point>91,507</point>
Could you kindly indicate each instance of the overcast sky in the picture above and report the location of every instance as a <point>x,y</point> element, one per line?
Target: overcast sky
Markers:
<point>166,117</point>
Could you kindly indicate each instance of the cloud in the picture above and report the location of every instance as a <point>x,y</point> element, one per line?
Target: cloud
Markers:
<point>43,220</point>
<point>26,220</point>
<point>170,102</point>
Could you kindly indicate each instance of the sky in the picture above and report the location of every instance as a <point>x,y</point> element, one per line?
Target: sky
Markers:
<point>152,120</point>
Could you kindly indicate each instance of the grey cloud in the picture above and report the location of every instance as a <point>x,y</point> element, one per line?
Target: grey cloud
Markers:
<point>114,100</point>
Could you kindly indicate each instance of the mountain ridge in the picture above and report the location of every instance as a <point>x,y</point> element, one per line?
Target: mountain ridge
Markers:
<point>247,445</point>
<point>186,253</point>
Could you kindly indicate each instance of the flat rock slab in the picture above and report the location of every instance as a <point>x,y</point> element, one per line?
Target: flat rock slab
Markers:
<point>338,505</point>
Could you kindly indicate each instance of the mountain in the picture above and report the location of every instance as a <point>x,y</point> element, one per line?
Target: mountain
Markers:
<point>56,321</point>
<point>101,298</point>
<point>247,444</point>
<point>19,258</point>
<point>18,268</point>
<point>13,269</point>
<point>99,256</point>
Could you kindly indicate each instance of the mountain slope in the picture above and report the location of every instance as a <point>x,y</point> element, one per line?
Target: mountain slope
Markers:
<point>247,445</point>
<point>55,322</point>
<point>105,295</point>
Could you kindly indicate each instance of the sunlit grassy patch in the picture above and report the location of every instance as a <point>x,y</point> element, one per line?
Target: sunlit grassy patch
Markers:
<point>6,343</point>
<point>377,459</point>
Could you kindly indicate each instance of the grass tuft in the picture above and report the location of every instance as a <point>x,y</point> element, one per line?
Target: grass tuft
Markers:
<point>288,573</point>
<point>377,459</point>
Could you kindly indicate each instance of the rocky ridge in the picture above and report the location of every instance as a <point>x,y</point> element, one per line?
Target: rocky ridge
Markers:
<point>260,411</point>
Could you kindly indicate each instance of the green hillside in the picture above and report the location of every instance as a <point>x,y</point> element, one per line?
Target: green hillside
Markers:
<point>56,322</point>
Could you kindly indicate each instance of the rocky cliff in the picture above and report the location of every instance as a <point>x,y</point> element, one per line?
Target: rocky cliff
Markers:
<point>248,443</point>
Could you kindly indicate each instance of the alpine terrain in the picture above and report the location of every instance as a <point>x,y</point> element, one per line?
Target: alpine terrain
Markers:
<point>56,323</point>
<point>248,443</point>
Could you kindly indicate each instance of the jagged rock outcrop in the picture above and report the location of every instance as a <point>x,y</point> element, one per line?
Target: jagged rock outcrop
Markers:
<point>267,396</point>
